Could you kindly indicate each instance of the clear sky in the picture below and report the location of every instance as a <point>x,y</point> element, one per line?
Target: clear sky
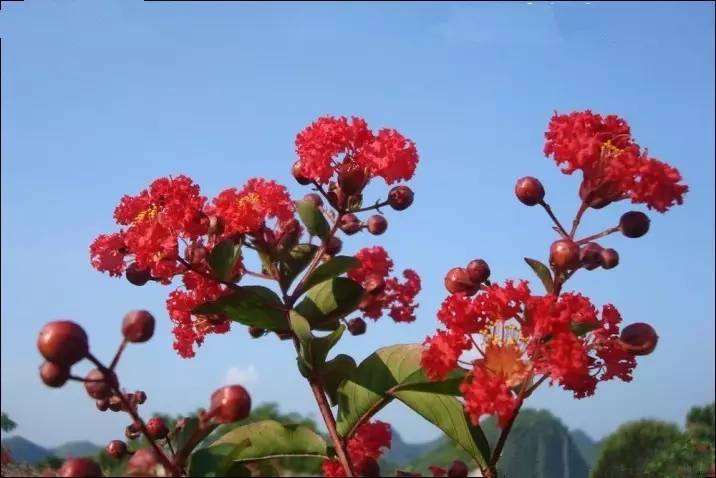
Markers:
<point>100,98</point>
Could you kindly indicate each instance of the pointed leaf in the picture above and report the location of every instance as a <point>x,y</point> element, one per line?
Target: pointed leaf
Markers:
<point>332,268</point>
<point>223,258</point>
<point>295,261</point>
<point>314,350</point>
<point>448,386</point>
<point>542,272</point>
<point>312,218</point>
<point>334,373</point>
<point>330,300</point>
<point>271,439</point>
<point>250,305</point>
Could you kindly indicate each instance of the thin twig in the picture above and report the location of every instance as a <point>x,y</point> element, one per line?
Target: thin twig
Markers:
<point>575,223</point>
<point>117,355</point>
<point>605,232</point>
<point>550,213</point>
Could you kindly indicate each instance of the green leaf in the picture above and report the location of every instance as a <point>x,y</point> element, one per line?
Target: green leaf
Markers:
<point>395,372</point>
<point>223,258</point>
<point>271,439</point>
<point>330,300</point>
<point>216,461</point>
<point>542,272</point>
<point>295,261</point>
<point>332,268</point>
<point>582,328</point>
<point>181,439</point>
<point>334,372</point>
<point>250,305</point>
<point>447,413</point>
<point>314,350</point>
<point>312,218</point>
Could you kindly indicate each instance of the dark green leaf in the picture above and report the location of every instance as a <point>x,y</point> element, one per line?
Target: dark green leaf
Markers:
<point>582,328</point>
<point>216,460</point>
<point>334,372</point>
<point>181,439</point>
<point>450,385</point>
<point>270,439</point>
<point>332,268</point>
<point>295,261</point>
<point>330,300</point>
<point>223,258</point>
<point>314,350</point>
<point>312,218</point>
<point>543,273</point>
<point>250,305</point>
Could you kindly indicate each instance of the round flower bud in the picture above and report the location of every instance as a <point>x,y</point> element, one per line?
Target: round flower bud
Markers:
<point>458,280</point>
<point>102,404</point>
<point>256,332</point>
<point>144,462</point>
<point>138,326</point>
<point>609,258</point>
<point>157,428</point>
<point>116,449</point>
<point>400,197</point>
<point>79,467</point>
<point>458,469</point>
<point>639,338</point>
<point>634,224</point>
<point>137,276</point>
<point>334,246</point>
<point>350,224</point>
<point>115,403</point>
<point>313,198</point>
<point>352,177</point>
<point>140,396</point>
<point>377,224</point>
<point>564,254</point>
<point>284,335</point>
<point>369,467</point>
<point>529,191</point>
<point>63,342</point>
<point>357,326</point>
<point>300,178</point>
<point>53,374</point>
<point>337,197</point>
<point>230,404</point>
<point>131,432</point>
<point>590,255</point>
<point>99,385</point>
<point>478,271</point>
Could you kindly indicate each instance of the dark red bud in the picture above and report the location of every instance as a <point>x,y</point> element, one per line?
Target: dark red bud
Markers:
<point>337,197</point>
<point>116,449</point>
<point>564,254</point>
<point>63,342</point>
<point>478,270</point>
<point>115,403</point>
<point>357,326</point>
<point>79,467</point>
<point>300,178</point>
<point>99,385</point>
<point>590,255</point>
<point>334,246</point>
<point>639,338</point>
<point>377,224</point>
<point>350,224</point>
<point>458,469</point>
<point>140,396</point>
<point>313,198</point>
<point>529,191</point>
<point>157,428</point>
<point>458,280</point>
<point>634,224</point>
<point>138,326</point>
<point>131,432</point>
<point>53,374</point>
<point>352,178</point>
<point>137,276</point>
<point>230,404</point>
<point>284,334</point>
<point>256,332</point>
<point>400,197</point>
<point>609,258</point>
<point>102,404</point>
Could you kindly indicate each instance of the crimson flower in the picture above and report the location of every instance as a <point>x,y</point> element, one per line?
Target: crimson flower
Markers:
<point>368,442</point>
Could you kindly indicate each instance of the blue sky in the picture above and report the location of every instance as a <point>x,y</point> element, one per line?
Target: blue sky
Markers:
<point>100,98</point>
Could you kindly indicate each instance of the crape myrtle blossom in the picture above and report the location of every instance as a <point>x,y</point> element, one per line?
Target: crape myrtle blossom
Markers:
<point>520,336</point>
<point>368,442</point>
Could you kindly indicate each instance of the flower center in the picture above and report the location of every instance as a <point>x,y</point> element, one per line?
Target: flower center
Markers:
<point>609,148</point>
<point>249,200</point>
<point>148,214</point>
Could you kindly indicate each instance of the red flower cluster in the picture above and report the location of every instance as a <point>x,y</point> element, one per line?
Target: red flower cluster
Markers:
<point>387,154</point>
<point>384,292</point>
<point>519,336</point>
<point>368,442</point>
<point>613,165</point>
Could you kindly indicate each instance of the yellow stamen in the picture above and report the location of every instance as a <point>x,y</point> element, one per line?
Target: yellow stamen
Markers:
<point>150,213</point>
<point>609,148</point>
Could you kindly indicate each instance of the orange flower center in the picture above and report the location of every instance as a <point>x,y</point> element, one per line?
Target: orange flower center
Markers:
<point>609,148</point>
<point>150,213</point>
<point>251,200</point>
<point>503,354</point>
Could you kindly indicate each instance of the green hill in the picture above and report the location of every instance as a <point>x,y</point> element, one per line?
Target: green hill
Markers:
<point>76,449</point>
<point>586,446</point>
<point>25,451</point>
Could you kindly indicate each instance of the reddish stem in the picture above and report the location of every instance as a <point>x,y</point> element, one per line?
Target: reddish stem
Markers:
<point>117,355</point>
<point>575,223</point>
<point>548,209</point>
<point>605,232</point>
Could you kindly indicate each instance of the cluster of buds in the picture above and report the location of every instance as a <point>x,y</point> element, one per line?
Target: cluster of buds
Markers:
<point>65,343</point>
<point>467,280</point>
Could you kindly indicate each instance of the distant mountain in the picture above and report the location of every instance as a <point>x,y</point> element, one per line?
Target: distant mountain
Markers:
<point>24,451</point>
<point>76,449</point>
<point>586,446</point>
<point>401,452</point>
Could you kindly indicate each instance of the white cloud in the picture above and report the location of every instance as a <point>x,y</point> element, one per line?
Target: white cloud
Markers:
<point>241,375</point>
